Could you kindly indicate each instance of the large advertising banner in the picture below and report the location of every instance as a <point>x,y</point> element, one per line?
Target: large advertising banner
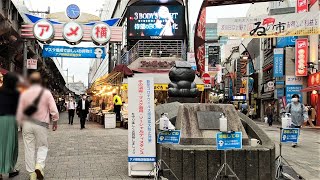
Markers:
<point>302,51</point>
<point>278,64</point>
<point>74,52</point>
<point>141,126</point>
<point>156,22</point>
<point>270,26</point>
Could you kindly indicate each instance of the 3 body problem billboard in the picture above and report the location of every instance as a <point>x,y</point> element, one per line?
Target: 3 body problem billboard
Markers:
<point>156,22</point>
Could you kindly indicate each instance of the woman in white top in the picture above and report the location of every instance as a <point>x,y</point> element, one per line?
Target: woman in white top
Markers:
<point>71,106</point>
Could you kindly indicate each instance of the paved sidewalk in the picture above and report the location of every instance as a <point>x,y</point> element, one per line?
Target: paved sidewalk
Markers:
<point>92,153</point>
<point>305,159</point>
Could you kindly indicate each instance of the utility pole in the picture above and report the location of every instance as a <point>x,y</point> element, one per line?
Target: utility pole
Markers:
<point>25,56</point>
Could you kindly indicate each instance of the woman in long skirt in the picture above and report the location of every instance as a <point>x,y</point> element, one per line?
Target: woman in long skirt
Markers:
<point>9,97</point>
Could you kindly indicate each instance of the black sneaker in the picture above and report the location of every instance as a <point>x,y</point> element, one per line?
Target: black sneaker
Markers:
<point>14,174</point>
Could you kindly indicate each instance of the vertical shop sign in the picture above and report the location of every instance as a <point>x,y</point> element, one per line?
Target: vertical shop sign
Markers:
<point>278,62</point>
<point>301,57</point>
<point>213,56</point>
<point>141,133</point>
<point>293,86</point>
<point>302,6</point>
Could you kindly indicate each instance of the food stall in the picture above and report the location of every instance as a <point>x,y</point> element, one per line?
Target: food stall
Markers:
<point>102,96</point>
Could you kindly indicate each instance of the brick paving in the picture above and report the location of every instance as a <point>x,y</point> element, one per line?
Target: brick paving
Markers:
<point>92,153</point>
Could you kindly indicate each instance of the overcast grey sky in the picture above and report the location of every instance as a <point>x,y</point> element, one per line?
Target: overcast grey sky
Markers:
<point>80,67</point>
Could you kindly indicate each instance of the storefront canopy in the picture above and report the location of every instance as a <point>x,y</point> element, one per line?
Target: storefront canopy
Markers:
<point>161,81</point>
<point>312,88</point>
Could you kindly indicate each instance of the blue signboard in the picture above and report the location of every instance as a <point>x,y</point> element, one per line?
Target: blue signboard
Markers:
<point>279,82</point>
<point>169,137</point>
<point>290,135</point>
<point>291,90</point>
<point>73,52</point>
<point>232,140</point>
<point>278,64</point>
<point>280,92</point>
<point>142,159</point>
<point>286,41</point>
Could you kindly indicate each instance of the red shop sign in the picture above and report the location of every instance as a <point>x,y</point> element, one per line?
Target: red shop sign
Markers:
<point>314,79</point>
<point>302,6</point>
<point>302,51</point>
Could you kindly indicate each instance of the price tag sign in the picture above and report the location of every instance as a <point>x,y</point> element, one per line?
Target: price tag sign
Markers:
<point>169,137</point>
<point>290,135</point>
<point>226,141</point>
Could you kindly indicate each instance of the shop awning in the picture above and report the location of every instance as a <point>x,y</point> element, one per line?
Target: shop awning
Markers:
<point>312,88</point>
<point>161,81</point>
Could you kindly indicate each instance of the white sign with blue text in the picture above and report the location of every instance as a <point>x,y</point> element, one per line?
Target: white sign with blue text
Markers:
<point>169,137</point>
<point>290,135</point>
<point>141,126</point>
<point>229,140</point>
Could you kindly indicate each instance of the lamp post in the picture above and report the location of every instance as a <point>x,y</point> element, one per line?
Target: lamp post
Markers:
<point>67,77</point>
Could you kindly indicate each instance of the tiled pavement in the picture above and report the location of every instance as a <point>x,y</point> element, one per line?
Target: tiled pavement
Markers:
<point>93,153</point>
<point>305,158</point>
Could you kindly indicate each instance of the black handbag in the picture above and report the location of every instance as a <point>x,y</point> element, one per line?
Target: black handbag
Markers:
<point>31,109</point>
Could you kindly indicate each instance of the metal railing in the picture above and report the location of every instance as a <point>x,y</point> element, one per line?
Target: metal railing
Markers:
<point>152,48</point>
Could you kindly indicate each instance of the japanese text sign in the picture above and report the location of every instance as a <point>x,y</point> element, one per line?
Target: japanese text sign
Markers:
<point>141,135</point>
<point>278,64</point>
<point>314,79</point>
<point>291,90</point>
<point>72,32</point>
<point>290,135</point>
<point>74,52</point>
<point>101,33</point>
<point>43,30</point>
<point>302,6</point>
<point>293,80</point>
<point>169,137</point>
<point>270,26</point>
<point>32,63</point>
<point>227,141</point>
<point>301,57</point>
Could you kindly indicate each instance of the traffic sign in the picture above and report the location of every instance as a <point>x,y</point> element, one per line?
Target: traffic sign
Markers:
<point>290,135</point>
<point>206,78</point>
<point>229,140</point>
<point>169,137</point>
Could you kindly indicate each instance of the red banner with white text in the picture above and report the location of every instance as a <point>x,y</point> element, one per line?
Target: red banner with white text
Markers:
<point>302,6</point>
<point>301,57</point>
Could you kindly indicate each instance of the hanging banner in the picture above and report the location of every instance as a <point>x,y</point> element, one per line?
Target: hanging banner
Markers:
<point>278,62</point>
<point>301,57</point>
<point>302,6</point>
<point>73,52</point>
<point>32,63</point>
<point>270,26</point>
<point>141,127</point>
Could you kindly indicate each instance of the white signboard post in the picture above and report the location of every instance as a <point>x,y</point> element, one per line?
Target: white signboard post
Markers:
<point>32,63</point>
<point>141,126</point>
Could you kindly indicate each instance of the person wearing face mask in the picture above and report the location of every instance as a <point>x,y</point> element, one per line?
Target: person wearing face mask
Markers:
<point>83,110</point>
<point>298,112</point>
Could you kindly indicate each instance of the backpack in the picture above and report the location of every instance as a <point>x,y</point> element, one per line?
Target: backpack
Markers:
<point>301,108</point>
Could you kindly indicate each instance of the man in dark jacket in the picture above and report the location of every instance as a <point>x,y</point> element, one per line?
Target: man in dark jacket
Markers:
<point>83,110</point>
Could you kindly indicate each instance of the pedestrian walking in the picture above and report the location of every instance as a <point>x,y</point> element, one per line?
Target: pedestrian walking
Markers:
<point>117,103</point>
<point>9,97</point>
<point>83,110</point>
<point>298,112</point>
<point>269,113</point>
<point>36,108</point>
<point>71,106</point>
